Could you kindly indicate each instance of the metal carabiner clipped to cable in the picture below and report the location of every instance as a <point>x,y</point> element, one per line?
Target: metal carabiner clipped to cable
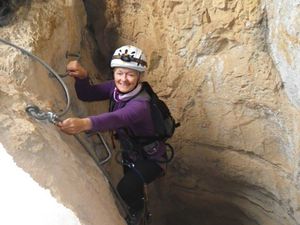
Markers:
<point>38,114</point>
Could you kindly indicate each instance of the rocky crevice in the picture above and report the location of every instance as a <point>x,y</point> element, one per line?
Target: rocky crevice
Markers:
<point>223,69</point>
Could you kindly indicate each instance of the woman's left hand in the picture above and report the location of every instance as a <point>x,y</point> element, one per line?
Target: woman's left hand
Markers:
<point>75,125</point>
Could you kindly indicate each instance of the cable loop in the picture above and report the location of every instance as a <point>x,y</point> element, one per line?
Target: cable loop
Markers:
<point>52,117</point>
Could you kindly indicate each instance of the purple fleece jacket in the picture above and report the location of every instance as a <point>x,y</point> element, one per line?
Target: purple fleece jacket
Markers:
<point>135,115</point>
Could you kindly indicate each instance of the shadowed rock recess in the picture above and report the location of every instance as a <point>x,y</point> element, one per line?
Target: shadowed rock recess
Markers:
<point>229,72</point>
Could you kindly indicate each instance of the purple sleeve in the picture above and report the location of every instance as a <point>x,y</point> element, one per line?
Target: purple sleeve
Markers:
<point>135,116</point>
<point>87,92</point>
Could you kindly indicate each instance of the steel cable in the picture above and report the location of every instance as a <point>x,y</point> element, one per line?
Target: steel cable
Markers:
<point>52,71</point>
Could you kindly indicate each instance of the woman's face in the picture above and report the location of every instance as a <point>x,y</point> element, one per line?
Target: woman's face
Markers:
<point>126,79</point>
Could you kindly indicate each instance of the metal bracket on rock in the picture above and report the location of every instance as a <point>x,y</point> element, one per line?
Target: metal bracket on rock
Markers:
<point>75,55</point>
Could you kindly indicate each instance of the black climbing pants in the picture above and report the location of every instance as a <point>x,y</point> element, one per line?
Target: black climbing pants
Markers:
<point>131,186</point>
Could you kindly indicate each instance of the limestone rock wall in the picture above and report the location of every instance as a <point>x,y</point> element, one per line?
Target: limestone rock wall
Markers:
<point>283,38</point>
<point>56,161</point>
<point>228,71</point>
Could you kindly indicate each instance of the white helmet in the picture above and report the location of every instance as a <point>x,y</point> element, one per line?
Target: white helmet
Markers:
<point>129,57</point>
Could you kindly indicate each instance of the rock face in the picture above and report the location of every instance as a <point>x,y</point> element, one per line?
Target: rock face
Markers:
<point>228,70</point>
<point>283,38</point>
<point>56,161</point>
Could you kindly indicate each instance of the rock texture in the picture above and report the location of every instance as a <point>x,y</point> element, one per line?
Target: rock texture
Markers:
<point>228,71</point>
<point>56,161</point>
<point>283,38</point>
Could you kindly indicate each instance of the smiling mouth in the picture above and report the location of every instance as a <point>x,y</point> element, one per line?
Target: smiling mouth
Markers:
<point>124,85</point>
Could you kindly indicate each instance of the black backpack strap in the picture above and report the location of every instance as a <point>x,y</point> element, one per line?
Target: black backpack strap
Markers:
<point>148,94</point>
<point>111,105</point>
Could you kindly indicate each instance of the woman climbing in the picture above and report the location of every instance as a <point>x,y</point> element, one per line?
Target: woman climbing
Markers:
<point>129,116</point>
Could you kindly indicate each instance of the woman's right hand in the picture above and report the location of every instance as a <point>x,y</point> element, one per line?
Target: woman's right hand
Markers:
<point>74,69</point>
